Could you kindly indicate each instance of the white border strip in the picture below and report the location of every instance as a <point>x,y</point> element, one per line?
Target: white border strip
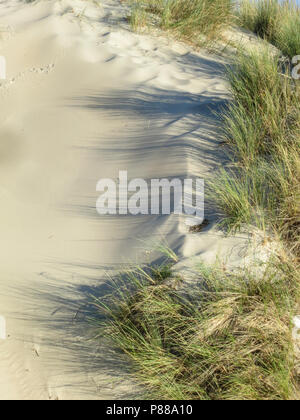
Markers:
<point>2,328</point>
<point>2,67</point>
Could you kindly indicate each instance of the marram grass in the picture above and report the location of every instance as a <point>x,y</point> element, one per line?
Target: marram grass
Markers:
<point>227,337</point>
<point>262,132</point>
<point>195,21</point>
<point>276,21</point>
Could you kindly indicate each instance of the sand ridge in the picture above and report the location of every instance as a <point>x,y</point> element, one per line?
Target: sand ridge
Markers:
<point>85,98</point>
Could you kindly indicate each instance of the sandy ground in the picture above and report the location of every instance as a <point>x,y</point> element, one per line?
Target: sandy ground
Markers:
<point>84,98</point>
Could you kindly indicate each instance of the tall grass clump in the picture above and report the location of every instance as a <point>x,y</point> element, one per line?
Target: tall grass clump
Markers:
<point>265,112</point>
<point>288,36</point>
<point>262,130</point>
<point>192,20</point>
<point>260,16</point>
<point>137,18</point>
<point>228,337</point>
<point>276,21</point>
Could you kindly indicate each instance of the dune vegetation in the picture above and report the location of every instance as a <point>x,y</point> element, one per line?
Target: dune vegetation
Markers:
<point>229,336</point>
<point>202,21</point>
<point>278,22</point>
<point>195,21</point>
<point>262,130</point>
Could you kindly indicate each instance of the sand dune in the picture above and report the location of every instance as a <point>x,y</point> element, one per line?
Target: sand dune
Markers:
<point>83,99</point>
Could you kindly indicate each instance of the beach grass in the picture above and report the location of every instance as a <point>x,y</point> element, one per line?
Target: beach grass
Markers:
<point>195,21</point>
<point>262,130</point>
<point>288,37</point>
<point>138,18</point>
<point>276,21</point>
<point>228,336</point>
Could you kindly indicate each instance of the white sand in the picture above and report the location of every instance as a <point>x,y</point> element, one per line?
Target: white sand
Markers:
<point>85,98</point>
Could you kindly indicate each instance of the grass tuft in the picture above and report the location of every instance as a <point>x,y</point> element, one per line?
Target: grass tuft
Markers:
<point>276,21</point>
<point>261,17</point>
<point>228,337</point>
<point>137,18</point>
<point>262,130</point>
<point>195,21</point>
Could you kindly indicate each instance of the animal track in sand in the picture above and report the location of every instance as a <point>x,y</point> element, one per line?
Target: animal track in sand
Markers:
<point>4,84</point>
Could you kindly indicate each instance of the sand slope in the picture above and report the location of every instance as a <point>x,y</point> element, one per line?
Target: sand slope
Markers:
<point>85,98</point>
